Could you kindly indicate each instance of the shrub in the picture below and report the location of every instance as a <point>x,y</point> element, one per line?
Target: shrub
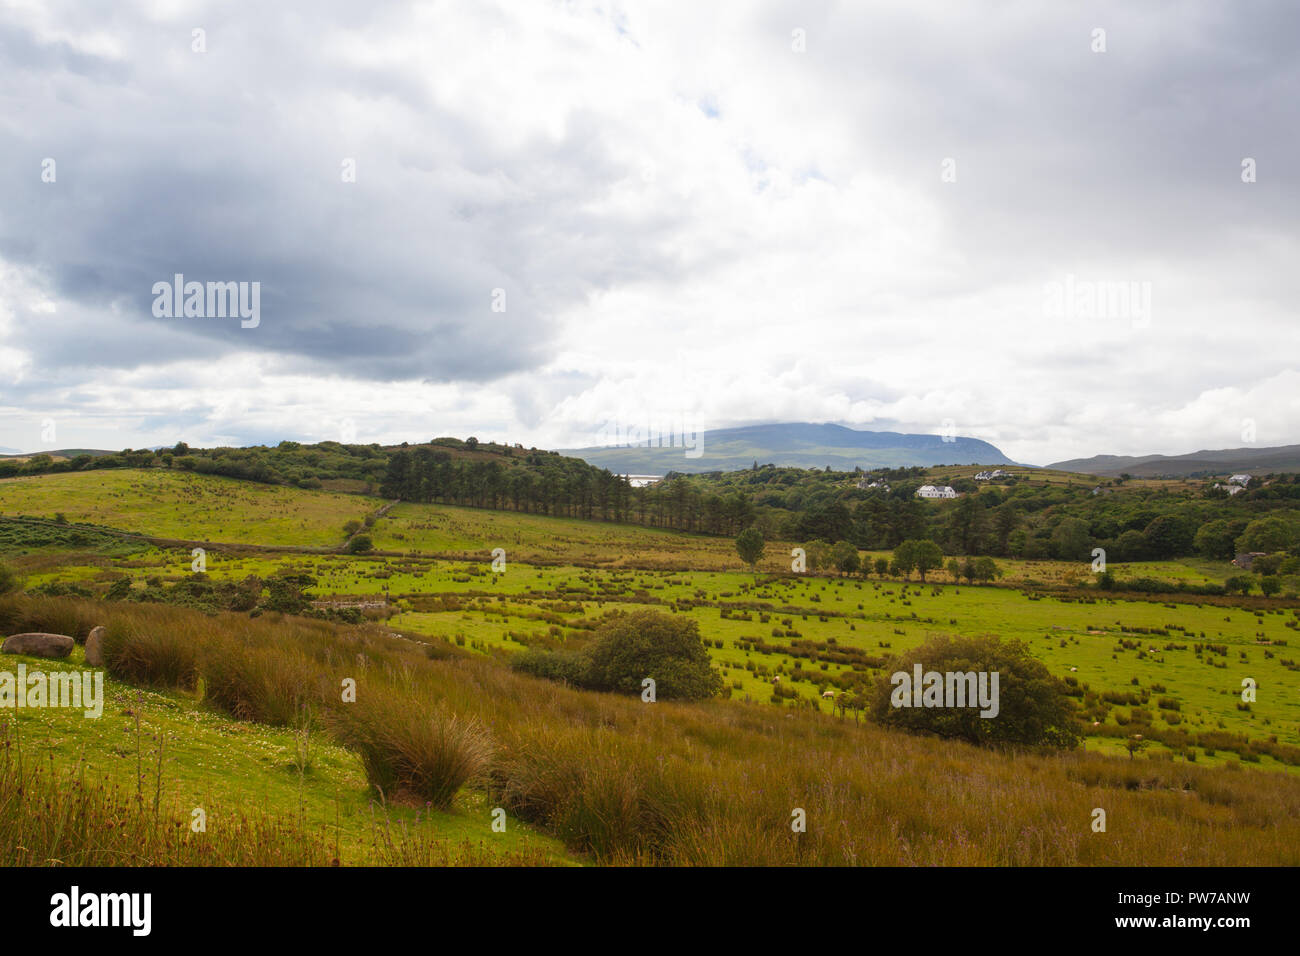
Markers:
<point>1034,707</point>
<point>631,647</point>
<point>553,665</point>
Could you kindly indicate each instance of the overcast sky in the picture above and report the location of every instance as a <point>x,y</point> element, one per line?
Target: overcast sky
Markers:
<point>887,215</point>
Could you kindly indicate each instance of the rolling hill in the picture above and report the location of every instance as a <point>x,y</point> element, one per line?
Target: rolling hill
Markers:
<point>799,445</point>
<point>1194,464</point>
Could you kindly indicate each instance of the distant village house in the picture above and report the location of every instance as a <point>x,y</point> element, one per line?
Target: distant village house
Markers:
<point>931,491</point>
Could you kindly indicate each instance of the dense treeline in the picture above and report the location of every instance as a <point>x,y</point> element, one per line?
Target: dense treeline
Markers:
<point>1026,518</point>
<point>546,483</point>
<point>288,463</point>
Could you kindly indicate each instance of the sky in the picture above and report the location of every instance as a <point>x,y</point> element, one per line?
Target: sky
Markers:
<point>1066,229</point>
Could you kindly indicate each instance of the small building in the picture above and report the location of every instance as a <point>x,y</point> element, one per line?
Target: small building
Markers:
<point>932,491</point>
<point>1247,558</point>
<point>1242,480</point>
<point>879,484</point>
<point>1230,489</point>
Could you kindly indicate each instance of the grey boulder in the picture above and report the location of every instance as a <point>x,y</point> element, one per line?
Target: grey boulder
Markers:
<point>38,645</point>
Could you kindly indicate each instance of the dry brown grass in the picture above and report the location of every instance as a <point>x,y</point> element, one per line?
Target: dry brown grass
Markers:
<point>717,783</point>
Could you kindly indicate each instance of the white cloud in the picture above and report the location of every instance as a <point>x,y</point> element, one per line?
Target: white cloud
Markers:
<point>689,219</point>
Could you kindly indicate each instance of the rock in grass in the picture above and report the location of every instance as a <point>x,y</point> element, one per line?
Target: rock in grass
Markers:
<point>39,645</point>
<point>95,646</point>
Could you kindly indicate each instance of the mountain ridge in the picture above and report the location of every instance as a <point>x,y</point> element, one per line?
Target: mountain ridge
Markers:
<point>1192,464</point>
<point>791,444</point>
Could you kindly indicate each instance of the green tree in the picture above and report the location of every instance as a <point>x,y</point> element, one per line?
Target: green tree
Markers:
<point>966,525</point>
<point>1130,546</point>
<point>1033,706</point>
<point>926,556</point>
<point>1071,540</point>
<point>846,557</point>
<point>749,545</point>
<point>904,558</point>
<point>882,567</point>
<point>1215,540</point>
<point>818,555</point>
<point>1270,585</point>
<point>1169,536</point>
<point>628,648</point>
<point>1268,564</point>
<point>1265,534</point>
<point>9,580</point>
<point>984,569</point>
<point>1005,519</point>
<point>359,543</point>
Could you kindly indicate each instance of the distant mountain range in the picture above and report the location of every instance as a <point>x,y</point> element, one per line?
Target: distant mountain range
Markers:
<point>1192,465</point>
<point>804,445</point>
<point>800,445</point>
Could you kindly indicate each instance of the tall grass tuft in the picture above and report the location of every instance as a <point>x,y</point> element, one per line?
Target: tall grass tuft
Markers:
<point>142,654</point>
<point>410,749</point>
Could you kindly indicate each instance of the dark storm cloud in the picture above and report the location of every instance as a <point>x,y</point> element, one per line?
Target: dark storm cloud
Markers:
<point>209,165</point>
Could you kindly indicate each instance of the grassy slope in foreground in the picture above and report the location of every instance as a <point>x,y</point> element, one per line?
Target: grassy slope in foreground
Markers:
<point>309,788</point>
<point>717,782</point>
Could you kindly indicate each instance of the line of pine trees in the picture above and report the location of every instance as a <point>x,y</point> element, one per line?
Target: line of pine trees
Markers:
<point>568,487</point>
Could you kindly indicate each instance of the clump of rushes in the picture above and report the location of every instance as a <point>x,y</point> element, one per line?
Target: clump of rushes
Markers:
<point>412,750</point>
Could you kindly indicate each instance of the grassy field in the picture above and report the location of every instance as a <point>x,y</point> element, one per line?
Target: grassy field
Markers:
<point>177,504</point>
<point>755,630</point>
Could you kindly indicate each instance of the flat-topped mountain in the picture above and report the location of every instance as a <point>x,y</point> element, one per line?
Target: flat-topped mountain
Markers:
<point>797,444</point>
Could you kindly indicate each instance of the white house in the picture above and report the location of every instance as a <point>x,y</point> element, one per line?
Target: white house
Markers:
<point>1242,480</point>
<point>990,475</point>
<point>879,483</point>
<point>930,491</point>
<point>1230,489</point>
